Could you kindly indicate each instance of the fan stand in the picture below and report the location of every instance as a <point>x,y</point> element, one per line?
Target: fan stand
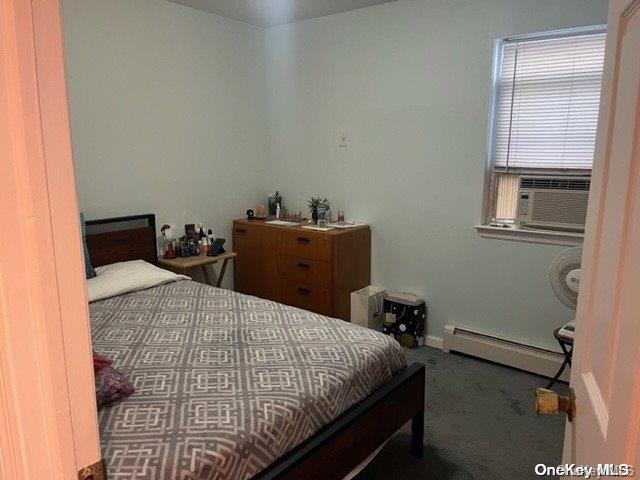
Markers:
<point>566,344</point>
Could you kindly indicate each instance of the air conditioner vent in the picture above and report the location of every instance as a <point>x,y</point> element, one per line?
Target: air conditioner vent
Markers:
<point>555,183</point>
<point>565,207</point>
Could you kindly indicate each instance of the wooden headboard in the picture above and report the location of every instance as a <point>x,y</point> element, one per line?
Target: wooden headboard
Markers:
<point>120,239</point>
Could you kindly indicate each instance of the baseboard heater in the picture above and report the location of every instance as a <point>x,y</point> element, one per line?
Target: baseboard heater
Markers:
<point>531,359</point>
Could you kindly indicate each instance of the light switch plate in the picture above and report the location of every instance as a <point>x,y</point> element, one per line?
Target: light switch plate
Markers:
<point>343,139</point>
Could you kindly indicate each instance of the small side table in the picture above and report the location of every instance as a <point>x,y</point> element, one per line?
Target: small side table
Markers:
<point>566,344</point>
<point>183,264</point>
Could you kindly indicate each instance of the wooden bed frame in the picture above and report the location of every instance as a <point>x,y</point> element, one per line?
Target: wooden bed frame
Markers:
<point>120,239</point>
<point>340,446</point>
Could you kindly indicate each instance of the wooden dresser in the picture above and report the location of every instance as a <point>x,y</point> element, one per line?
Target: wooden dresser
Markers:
<point>304,268</point>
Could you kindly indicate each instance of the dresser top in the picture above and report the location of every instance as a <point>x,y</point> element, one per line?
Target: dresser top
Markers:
<point>299,227</point>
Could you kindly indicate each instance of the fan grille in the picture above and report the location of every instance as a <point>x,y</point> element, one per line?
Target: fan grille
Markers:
<point>564,262</point>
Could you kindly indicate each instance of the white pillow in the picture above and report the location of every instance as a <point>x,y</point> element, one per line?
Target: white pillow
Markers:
<point>124,277</point>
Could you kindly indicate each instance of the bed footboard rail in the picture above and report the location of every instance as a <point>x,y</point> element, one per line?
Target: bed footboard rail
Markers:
<point>343,444</point>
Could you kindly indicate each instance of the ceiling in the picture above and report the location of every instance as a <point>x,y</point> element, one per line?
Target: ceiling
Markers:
<point>267,13</point>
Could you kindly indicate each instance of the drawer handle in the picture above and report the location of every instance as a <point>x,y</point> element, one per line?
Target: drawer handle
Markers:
<point>240,230</point>
<point>303,291</point>
<point>304,265</point>
<point>306,240</point>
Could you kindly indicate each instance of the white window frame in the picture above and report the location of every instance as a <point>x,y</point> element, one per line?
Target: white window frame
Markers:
<point>514,233</point>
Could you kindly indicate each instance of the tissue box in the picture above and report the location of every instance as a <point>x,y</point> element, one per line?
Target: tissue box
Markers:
<point>405,319</point>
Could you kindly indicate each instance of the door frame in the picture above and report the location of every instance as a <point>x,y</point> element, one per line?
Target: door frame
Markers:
<point>48,417</point>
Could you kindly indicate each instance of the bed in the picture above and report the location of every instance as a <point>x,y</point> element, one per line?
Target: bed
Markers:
<point>230,386</point>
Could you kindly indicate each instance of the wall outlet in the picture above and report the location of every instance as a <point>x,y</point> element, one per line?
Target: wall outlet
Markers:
<point>343,139</point>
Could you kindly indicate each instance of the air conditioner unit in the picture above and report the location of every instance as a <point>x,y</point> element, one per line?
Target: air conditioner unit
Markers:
<point>553,202</point>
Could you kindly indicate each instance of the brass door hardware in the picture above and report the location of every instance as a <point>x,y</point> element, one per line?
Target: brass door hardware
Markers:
<point>549,402</point>
<point>96,471</point>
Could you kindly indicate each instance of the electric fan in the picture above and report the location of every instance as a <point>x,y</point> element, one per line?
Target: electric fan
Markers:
<point>564,276</point>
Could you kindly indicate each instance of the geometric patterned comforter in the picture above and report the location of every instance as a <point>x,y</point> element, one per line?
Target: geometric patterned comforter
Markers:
<point>225,383</point>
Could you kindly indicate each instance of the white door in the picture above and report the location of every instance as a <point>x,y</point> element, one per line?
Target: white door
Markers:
<point>606,366</point>
<point>48,421</point>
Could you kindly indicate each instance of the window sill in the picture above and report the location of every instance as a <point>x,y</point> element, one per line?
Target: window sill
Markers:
<point>517,234</point>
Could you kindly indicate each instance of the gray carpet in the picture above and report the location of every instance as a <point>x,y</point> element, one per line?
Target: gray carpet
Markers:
<point>481,424</point>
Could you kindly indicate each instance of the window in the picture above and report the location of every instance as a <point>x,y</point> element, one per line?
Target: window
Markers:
<point>546,96</point>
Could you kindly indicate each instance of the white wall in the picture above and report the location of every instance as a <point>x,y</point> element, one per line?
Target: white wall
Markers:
<point>178,112</point>
<point>167,111</point>
<point>410,82</point>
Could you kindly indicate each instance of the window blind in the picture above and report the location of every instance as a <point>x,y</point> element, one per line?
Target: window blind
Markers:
<point>548,99</point>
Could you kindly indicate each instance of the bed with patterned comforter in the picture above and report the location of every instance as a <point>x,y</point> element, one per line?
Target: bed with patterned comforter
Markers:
<point>225,383</point>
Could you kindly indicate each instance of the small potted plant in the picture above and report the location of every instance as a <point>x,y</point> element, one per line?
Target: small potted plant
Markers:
<point>314,203</point>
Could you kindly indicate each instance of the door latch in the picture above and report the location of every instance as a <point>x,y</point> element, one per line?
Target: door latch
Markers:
<point>96,471</point>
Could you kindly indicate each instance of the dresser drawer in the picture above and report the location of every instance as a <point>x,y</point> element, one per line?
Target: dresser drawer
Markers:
<point>304,270</point>
<point>313,245</point>
<point>303,295</point>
